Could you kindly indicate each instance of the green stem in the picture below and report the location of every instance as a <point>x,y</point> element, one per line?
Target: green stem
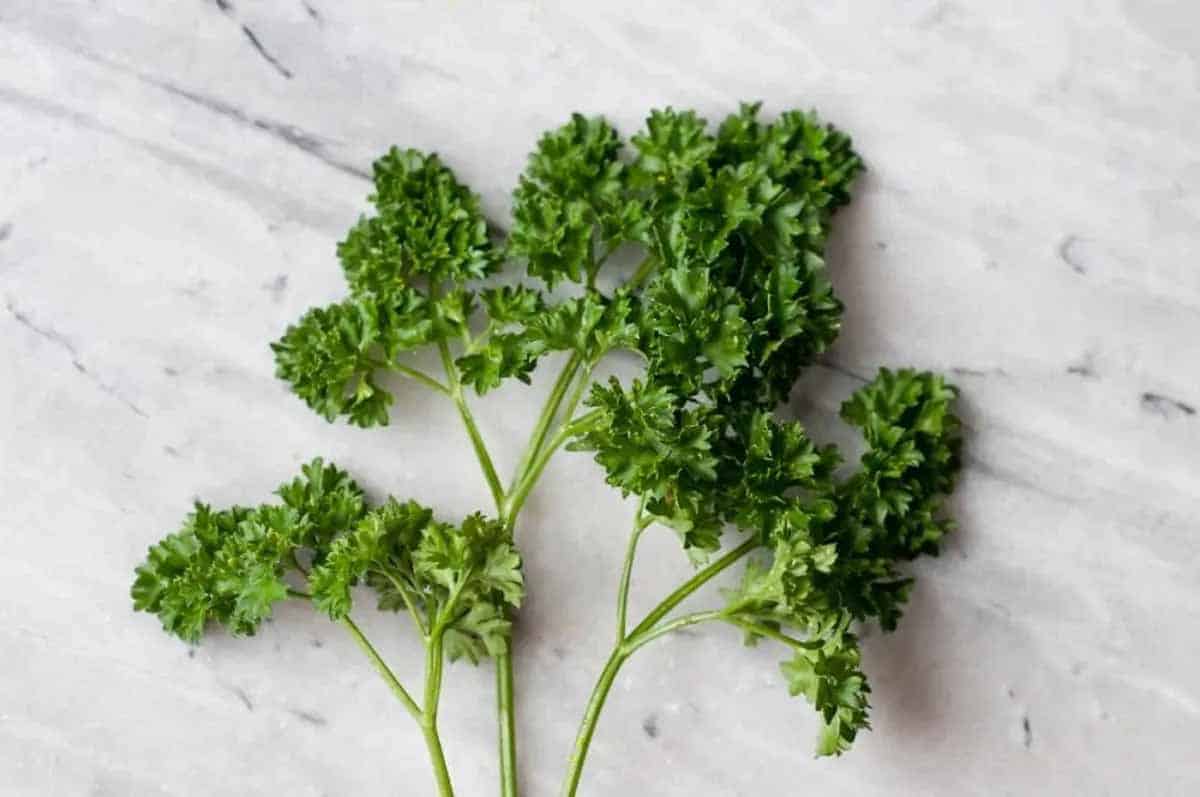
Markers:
<point>594,268</point>
<point>591,714</point>
<point>464,411</point>
<point>504,664</point>
<point>549,411</point>
<point>434,660</point>
<point>421,377</point>
<point>507,726</point>
<point>581,385</point>
<point>516,498</point>
<point>533,461</point>
<point>634,642</point>
<point>608,676</point>
<point>639,525</point>
<point>441,773</point>
<point>694,583</point>
<point>407,598</point>
<point>766,631</point>
<point>646,631</point>
<point>384,671</point>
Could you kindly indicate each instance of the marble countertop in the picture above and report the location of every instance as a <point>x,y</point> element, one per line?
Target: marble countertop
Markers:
<point>175,177</point>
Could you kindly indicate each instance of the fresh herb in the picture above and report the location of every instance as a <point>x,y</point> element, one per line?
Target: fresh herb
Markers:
<point>729,303</point>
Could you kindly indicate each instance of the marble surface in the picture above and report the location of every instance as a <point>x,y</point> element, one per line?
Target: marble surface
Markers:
<point>175,176</point>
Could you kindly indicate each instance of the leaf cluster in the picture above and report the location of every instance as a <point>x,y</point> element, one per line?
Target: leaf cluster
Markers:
<point>832,554</point>
<point>230,566</point>
<point>456,580</point>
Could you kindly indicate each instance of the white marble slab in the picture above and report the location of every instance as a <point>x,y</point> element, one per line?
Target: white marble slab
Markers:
<point>175,176</point>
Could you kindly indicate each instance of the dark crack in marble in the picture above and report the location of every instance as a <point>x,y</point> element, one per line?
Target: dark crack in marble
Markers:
<point>1068,252</point>
<point>242,697</point>
<point>308,717</point>
<point>1165,406</point>
<point>59,340</point>
<point>257,44</point>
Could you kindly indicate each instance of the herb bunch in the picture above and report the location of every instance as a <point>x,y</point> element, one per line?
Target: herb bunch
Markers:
<point>729,304</point>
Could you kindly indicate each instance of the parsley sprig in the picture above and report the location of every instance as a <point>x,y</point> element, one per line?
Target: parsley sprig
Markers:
<point>729,302</point>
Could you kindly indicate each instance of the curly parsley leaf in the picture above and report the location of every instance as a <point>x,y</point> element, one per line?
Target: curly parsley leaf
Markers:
<point>427,225</point>
<point>231,566</point>
<point>223,566</point>
<point>227,566</point>
<point>830,678</point>
<point>333,355</point>
<point>571,197</point>
<point>459,580</point>
<point>691,327</point>
<point>833,550</point>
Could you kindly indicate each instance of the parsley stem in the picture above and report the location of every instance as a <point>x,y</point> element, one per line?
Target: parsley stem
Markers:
<point>639,525</point>
<point>594,269</point>
<point>694,583</point>
<point>646,631</point>
<point>381,667</point>
<point>632,643</point>
<point>464,411</point>
<point>421,377</point>
<point>504,665</point>
<point>434,659</point>
<point>542,427</point>
<point>507,723</point>
<point>407,597</point>
<point>516,499</point>
<point>766,631</point>
<point>585,379</point>
<point>533,461</point>
<point>591,714</point>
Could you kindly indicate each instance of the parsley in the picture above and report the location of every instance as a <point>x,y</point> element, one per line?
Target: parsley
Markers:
<point>729,304</point>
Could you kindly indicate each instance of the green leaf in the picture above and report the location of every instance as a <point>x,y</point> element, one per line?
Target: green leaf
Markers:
<point>459,579</point>
<point>674,151</point>
<point>379,551</point>
<point>427,225</point>
<point>328,500</point>
<point>504,355</point>
<point>890,510</point>
<point>651,445</point>
<point>259,588</point>
<point>571,196</point>
<point>331,357</point>
<point>512,304</point>
<point>590,325</point>
<point>483,631</point>
<point>222,566</point>
<point>830,679</point>
<point>691,326</point>
<point>554,235</point>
